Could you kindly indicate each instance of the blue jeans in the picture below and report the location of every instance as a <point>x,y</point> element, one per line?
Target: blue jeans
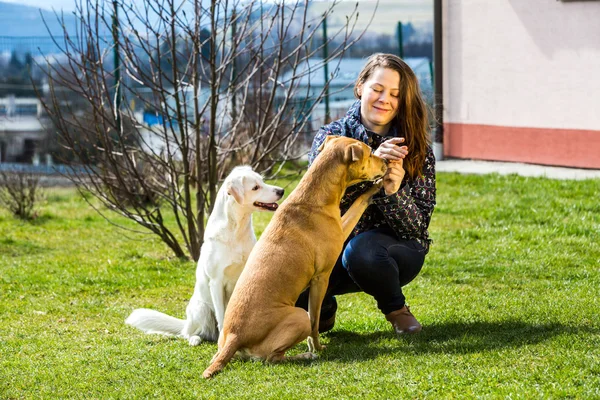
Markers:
<point>375,262</point>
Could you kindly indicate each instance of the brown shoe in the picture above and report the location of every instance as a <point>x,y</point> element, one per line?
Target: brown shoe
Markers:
<point>403,321</point>
<point>328,310</point>
<point>327,325</point>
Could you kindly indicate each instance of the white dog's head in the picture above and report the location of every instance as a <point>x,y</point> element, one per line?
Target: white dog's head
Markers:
<point>249,189</point>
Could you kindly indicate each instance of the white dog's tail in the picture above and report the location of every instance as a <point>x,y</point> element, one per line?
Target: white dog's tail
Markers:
<point>151,321</point>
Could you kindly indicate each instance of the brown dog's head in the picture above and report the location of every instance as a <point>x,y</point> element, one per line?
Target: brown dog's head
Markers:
<point>362,164</point>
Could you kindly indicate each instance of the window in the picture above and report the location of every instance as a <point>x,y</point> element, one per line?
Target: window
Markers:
<point>26,109</point>
<point>2,151</point>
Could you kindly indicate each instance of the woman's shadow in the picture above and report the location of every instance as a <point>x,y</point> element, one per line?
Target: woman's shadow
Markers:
<point>457,338</point>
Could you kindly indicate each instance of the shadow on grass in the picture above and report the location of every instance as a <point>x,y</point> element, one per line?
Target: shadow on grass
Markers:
<point>17,248</point>
<point>456,338</point>
<point>42,219</point>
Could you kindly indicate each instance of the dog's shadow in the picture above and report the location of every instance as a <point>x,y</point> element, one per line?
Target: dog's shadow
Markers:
<point>445,338</point>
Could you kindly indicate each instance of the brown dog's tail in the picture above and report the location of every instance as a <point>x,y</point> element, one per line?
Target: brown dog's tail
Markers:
<point>223,356</point>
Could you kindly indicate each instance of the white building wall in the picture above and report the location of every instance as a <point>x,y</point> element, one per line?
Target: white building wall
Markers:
<point>522,63</point>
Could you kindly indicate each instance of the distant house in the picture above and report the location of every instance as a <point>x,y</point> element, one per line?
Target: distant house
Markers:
<point>521,81</point>
<point>21,132</point>
<point>344,73</point>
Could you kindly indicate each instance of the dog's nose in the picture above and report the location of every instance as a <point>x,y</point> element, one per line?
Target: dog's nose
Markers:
<point>279,192</point>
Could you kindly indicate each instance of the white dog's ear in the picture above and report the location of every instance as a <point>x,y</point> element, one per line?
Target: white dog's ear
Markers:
<point>328,139</point>
<point>354,152</point>
<point>236,189</point>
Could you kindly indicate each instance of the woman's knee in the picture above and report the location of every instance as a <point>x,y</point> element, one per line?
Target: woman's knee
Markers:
<point>363,255</point>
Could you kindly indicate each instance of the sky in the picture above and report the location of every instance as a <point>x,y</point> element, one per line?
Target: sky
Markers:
<point>69,5</point>
<point>66,5</point>
<point>387,14</point>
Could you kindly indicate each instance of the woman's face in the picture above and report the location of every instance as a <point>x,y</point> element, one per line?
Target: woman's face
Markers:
<point>379,99</point>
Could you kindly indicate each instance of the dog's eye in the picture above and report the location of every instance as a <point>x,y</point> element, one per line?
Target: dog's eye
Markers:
<point>256,187</point>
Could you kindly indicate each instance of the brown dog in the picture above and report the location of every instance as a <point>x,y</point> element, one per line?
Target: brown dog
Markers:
<point>298,249</point>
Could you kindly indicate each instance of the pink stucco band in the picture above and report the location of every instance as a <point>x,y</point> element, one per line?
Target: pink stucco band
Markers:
<point>560,147</point>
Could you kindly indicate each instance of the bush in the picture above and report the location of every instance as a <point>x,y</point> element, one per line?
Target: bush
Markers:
<point>19,193</point>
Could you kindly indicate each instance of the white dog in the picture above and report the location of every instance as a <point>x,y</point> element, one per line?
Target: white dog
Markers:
<point>228,240</point>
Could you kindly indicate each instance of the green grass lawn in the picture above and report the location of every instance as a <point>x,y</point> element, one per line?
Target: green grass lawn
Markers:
<point>509,299</point>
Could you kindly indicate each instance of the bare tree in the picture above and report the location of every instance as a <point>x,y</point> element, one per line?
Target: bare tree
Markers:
<point>221,79</point>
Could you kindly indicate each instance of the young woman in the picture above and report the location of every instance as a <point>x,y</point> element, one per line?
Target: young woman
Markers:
<point>387,248</point>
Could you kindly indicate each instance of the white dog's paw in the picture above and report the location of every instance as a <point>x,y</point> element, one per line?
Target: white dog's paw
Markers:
<point>306,356</point>
<point>195,340</point>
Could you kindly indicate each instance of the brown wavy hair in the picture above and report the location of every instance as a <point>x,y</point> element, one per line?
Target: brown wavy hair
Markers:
<point>412,117</point>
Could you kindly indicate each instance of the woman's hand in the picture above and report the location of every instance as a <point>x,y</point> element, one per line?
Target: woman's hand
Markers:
<point>395,155</point>
<point>393,177</point>
<point>391,151</point>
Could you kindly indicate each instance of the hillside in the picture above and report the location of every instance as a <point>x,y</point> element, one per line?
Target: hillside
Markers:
<point>18,20</point>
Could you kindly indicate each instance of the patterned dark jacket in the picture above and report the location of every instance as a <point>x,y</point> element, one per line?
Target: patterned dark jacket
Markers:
<point>408,211</point>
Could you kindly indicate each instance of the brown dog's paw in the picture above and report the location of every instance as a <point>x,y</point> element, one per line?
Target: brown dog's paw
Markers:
<point>314,345</point>
<point>377,184</point>
<point>373,190</point>
<point>208,374</point>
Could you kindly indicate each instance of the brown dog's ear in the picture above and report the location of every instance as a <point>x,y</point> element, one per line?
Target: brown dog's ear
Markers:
<point>236,189</point>
<point>354,152</point>
<point>327,140</point>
